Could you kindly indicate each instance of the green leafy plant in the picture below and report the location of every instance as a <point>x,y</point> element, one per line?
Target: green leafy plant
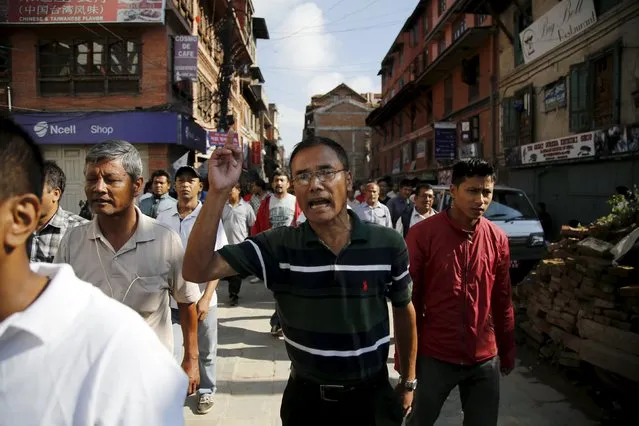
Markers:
<point>624,210</point>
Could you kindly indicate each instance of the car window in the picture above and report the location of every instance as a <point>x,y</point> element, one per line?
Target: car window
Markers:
<point>510,205</point>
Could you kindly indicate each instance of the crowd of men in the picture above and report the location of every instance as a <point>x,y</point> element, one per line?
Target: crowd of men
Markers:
<point>97,316</point>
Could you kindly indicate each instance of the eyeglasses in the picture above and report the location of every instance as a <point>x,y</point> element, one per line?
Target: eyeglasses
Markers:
<point>327,175</point>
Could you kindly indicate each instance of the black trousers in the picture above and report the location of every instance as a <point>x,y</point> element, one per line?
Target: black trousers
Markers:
<point>235,283</point>
<point>478,389</point>
<point>373,403</point>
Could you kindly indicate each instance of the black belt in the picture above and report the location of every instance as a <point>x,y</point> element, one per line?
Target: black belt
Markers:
<point>336,393</point>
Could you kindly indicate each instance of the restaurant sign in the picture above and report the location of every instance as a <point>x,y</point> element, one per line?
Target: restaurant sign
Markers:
<point>566,148</point>
<point>81,11</point>
<point>559,24</point>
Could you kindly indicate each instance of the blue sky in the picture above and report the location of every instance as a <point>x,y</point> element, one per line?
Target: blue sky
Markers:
<point>316,45</point>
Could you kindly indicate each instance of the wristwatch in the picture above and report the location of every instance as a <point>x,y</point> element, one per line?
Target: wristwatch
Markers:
<point>409,385</point>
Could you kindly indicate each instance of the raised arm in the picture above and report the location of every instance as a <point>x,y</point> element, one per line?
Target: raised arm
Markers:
<point>201,262</point>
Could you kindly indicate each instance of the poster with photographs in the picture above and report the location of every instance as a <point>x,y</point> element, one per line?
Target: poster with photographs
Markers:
<point>617,140</point>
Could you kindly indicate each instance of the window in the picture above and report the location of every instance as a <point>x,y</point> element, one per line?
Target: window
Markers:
<point>400,83</point>
<point>595,91</point>
<point>425,58</point>
<point>448,95</point>
<point>400,126</point>
<point>603,6</point>
<point>480,19</point>
<point>204,101</point>
<point>517,118</point>
<point>474,128</point>
<point>441,45</point>
<point>400,56</point>
<point>413,118</point>
<point>429,107</point>
<point>425,21</point>
<point>509,205</point>
<point>5,62</point>
<point>522,21</point>
<point>100,66</point>
<point>413,36</point>
<point>441,6</point>
<point>459,28</point>
<point>470,76</point>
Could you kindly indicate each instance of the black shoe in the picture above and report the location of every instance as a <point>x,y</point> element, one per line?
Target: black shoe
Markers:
<point>234,300</point>
<point>276,330</point>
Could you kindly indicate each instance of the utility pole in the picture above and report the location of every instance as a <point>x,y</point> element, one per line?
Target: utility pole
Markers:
<point>227,69</point>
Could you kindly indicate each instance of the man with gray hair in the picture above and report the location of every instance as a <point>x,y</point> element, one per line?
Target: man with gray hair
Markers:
<point>129,256</point>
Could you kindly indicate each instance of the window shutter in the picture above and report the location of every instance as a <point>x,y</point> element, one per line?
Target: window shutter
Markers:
<point>579,106</point>
<point>509,129</point>
<point>616,83</point>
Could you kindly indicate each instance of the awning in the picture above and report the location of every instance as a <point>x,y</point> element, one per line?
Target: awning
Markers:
<point>471,40</point>
<point>259,28</point>
<point>72,128</point>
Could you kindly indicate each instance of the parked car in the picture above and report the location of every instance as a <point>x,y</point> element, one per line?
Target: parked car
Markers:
<point>513,212</point>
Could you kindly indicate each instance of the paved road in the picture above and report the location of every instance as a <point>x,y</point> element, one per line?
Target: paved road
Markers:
<point>253,368</point>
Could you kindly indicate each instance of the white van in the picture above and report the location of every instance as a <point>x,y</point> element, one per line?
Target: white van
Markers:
<point>513,212</point>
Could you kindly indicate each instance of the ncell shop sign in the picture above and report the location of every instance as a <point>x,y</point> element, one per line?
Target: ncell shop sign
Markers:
<point>568,148</point>
<point>81,11</point>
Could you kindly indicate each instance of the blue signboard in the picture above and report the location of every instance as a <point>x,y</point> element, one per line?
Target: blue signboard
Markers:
<point>95,127</point>
<point>445,141</point>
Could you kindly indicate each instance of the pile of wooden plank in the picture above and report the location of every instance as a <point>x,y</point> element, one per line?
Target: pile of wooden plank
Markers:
<point>578,306</point>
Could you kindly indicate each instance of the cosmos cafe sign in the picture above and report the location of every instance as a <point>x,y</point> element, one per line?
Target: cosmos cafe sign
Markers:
<point>559,24</point>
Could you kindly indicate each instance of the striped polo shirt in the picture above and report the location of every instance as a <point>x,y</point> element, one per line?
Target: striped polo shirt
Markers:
<point>333,309</point>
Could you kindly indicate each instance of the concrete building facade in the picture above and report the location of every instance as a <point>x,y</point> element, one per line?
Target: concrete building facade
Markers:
<point>569,94</point>
<point>340,114</point>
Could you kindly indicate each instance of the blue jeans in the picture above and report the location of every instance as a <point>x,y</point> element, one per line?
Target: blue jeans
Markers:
<point>207,345</point>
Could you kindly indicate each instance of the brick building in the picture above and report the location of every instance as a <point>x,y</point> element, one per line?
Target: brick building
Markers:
<point>341,115</point>
<point>438,93</point>
<point>80,73</point>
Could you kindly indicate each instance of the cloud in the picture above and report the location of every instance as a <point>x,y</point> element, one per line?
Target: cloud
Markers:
<point>325,82</point>
<point>298,34</point>
<point>291,125</point>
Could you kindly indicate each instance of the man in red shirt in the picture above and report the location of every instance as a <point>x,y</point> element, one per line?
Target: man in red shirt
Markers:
<point>459,263</point>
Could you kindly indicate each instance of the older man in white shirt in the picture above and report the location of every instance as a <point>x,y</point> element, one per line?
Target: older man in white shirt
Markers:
<point>371,210</point>
<point>180,218</point>
<point>423,209</point>
<point>129,256</point>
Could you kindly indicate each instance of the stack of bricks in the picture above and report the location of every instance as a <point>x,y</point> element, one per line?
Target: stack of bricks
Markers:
<point>578,306</point>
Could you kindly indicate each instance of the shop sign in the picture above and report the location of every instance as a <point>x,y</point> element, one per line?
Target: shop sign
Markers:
<point>185,58</point>
<point>133,126</point>
<point>445,140</point>
<point>559,24</point>
<point>469,150</point>
<point>82,11</point>
<point>566,148</point>
<point>218,139</point>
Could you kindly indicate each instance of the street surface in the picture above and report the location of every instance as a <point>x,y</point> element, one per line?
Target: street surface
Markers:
<point>252,370</point>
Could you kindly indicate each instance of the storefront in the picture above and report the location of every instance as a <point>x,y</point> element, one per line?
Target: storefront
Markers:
<point>165,140</point>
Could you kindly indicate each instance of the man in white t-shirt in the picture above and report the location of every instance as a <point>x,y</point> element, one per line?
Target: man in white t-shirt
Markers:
<point>69,354</point>
<point>277,209</point>
<point>181,217</point>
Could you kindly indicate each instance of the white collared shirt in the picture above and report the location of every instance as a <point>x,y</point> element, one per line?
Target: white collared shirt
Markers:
<point>76,357</point>
<point>415,218</point>
<point>183,227</point>
<point>141,274</point>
